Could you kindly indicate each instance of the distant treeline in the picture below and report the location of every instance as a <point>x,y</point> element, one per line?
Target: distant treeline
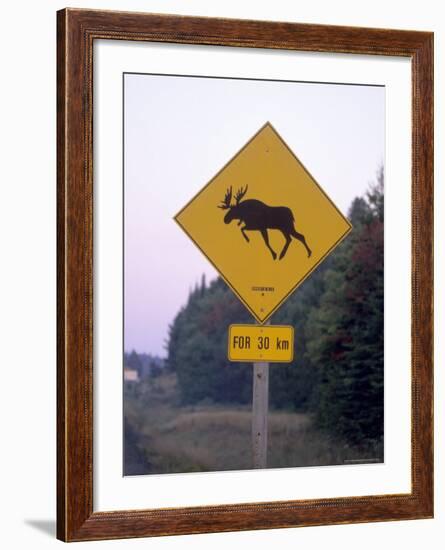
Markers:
<point>144,363</point>
<point>337,313</point>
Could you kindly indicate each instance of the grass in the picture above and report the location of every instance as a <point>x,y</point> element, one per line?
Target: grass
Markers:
<point>164,437</point>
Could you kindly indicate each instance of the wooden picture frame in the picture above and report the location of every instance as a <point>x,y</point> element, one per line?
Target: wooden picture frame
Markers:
<point>77,31</point>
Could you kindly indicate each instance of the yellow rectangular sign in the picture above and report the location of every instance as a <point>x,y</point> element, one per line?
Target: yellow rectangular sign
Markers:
<point>270,343</point>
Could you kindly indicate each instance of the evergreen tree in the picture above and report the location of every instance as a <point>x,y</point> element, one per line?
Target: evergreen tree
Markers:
<point>197,347</point>
<point>346,331</point>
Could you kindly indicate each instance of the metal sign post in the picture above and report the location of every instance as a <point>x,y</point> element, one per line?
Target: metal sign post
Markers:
<point>260,406</point>
<point>260,409</point>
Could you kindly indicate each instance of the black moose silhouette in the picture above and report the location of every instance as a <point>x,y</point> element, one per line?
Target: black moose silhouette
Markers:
<point>257,216</point>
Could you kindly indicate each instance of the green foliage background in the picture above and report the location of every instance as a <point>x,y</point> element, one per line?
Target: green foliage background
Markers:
<point>337,313</point>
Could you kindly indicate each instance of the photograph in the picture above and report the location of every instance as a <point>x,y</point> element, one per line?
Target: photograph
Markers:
<point>223,264</point>
<point>252,203</point>
<point>244,282</point>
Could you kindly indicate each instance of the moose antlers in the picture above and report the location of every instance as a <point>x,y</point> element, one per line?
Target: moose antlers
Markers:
<point>240,194</point>
<point>225,204</point>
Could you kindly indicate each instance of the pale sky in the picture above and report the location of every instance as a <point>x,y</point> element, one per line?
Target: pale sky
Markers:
<point>180,131</point>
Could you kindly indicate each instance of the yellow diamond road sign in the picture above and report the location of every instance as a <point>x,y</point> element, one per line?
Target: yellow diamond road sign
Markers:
<point>264,223</point>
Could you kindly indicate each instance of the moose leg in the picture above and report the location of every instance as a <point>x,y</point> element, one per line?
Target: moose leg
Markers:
<point>302,240</point>
<point>286,245</point>
<point>243,231</point>
<point>266,240</point>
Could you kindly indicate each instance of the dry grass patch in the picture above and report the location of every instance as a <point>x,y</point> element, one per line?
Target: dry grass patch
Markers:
<point>175,438</point>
